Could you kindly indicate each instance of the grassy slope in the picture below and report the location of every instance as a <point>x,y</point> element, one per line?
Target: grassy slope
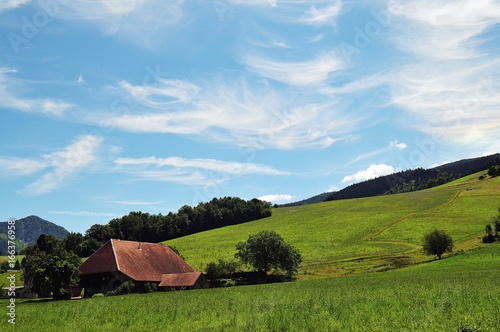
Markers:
<point>335,238</point>
<point>447,295</point>
<point>354,236</point>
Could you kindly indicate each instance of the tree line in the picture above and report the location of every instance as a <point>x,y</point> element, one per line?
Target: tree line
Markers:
<point>404,181</point>
<point>145,227</point>
<point>410,180</point>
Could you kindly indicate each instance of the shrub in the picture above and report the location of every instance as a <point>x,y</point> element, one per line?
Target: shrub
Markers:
<point>150,287</point>
<point>126,288</point>
<point>489,238</point>
<point>220,269</point>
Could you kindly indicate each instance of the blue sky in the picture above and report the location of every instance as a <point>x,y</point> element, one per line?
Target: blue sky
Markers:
<point>115,106</point>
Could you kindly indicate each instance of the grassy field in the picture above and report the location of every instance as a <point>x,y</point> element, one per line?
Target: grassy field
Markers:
<point>361,235</point>
<point>459,293</point>
<point>349,240</point>
<point>3,276</point>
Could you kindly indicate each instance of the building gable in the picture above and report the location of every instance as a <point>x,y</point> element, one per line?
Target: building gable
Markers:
<point>102,261</point>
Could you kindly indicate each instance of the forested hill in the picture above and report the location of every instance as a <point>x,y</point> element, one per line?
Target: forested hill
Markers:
<point>406,181</point>
<point>27,230</point>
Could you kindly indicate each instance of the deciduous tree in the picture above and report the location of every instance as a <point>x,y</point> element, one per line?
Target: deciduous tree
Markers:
<point>267,250</point>
<point>437,243</point>
<point>49,269</point>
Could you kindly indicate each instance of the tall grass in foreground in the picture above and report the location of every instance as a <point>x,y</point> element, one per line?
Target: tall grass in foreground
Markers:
<point>461,292</point>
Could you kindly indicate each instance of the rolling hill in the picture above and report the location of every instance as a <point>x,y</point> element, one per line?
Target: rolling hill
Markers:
<point>345,237</point>
<point>408,180</point>
<point>353,236</point>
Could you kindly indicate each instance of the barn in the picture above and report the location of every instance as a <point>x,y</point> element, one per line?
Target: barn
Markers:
<point>118,261</point>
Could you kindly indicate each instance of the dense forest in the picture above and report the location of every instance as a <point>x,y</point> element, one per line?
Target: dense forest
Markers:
<point>139,226</point>
<point>409,180</point>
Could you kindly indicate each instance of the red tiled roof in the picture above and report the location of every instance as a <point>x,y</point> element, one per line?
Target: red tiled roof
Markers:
<point>141,261</point>
<point>179,280</point>
<point>101,261</point>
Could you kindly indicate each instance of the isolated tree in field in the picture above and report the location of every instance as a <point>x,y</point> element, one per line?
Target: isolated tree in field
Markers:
<point>437,243</point>
<point>48,268</point>
<point>267,250</point>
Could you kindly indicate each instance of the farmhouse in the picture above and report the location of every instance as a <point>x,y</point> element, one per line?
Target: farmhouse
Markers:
<point>118,261</point>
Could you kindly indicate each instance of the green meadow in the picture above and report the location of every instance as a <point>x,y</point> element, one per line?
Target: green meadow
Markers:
<point>459,293</point>
<point>348,280</point>
<point>360,235</point>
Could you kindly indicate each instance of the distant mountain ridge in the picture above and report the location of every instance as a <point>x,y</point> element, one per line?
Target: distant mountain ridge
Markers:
<point>28,230</point>
<point>404,180</point>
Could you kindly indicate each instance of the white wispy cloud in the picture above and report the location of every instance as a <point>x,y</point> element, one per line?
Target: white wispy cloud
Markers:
<point>164,91</point>
<point>452,102</point>
<point>366,155</point>
<point>299,73</point>
<point>444,29</point>
<point>232,168</point>
<point>61,165</point>
<point>84,213</point>
<point>360,85</point>
<point>183,176</point>
<point>190,172</point>
<point>11,97</point>
<point>242,112</point>
<point>276,198</point>
<point>450,88</point>
<point>140,21</point>
<point>268,39</point>
<point>372,172</point>
<point>19,166</point>
<point>310,12</point>
<point>323,15</point>
<point>11,4</point>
